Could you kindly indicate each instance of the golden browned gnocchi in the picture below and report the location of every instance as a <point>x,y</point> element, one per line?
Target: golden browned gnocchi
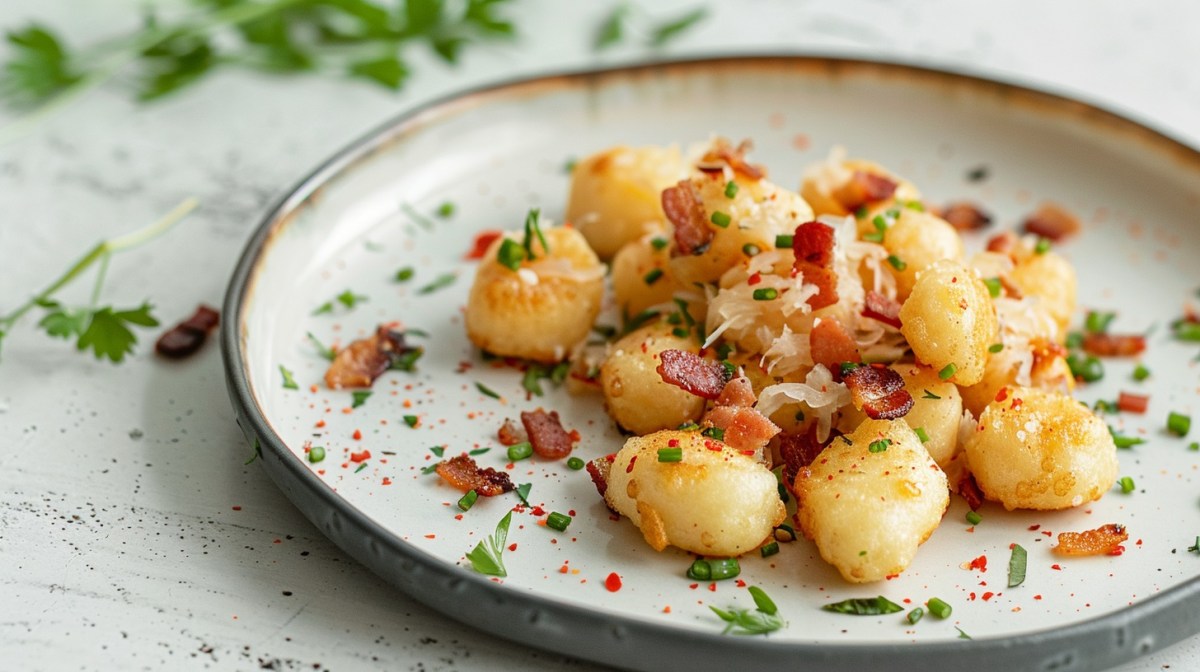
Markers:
<point>544,307</point>
<point>950,322</point>
<point>634,393</point>
<point>714,501</point>
<point>915,240</point>
<point>1034,449</point>
<point>616,194</point>
<point>870,499</point>
<point>1050,278</point>
<point>641,275</point>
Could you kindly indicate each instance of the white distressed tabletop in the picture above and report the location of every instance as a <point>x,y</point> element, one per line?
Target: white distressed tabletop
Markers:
<point>131,533</point>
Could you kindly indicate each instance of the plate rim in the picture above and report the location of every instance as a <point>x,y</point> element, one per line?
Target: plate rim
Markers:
<point>576,631</point>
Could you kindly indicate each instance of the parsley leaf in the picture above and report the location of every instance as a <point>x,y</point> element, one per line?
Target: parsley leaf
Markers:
<point>64,322</point>
<point>359,397</point>
<point>108,333</point>
<point>40,66</point>
<point>612,29</point>
<point>763,620</point>
<point>487,557</point>
<point>389,71</point>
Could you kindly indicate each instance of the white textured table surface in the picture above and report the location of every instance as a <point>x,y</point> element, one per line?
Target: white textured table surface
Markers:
<point>121,544</point>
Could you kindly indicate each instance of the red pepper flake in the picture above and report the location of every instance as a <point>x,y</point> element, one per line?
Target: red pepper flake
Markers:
<point>320,424</point>
<point>612,582</point>
<point>1001,394</point>
<point>512,547</point>
<point>987,596</point>
<point>1056,567</point>
<point>357,435</point>
<point>1119,550</point>
<point>237,508</point>
<point>632,460</point>
<point>360,456</point>
<point>564,569</point>
<point>483,240</point>
<point>979,563</point>
<point>694,586</point>
<point>386,481</point>
<point>713,445</point>
<point>741,583</point>
<point>667,609</point>
<point>712,587</point>
<point>1034,528</point>
<point>538,511</point>
<point>1047,533</point>
<point>673,443</point>
<point>971,597</point>
<point>458,516</point>
<point>1037,597</point>
<point>754,279</point>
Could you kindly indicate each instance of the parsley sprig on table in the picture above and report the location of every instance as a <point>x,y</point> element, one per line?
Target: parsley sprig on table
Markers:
<point>359,38</point>
<point>105,330</point>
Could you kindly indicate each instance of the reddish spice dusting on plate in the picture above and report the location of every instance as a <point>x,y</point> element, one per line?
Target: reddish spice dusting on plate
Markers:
<point>512,547</point>
<point>483,240</point>
<point>237,508</point>
<point>712,587</point>
<point>980,563</point>
<point>386,481</point>
<point>987,596</point>
<point>612,582</point>
<point>360,456</point>
<point>357,435</point>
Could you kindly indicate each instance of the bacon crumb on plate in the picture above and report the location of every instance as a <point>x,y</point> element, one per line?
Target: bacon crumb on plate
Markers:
<point>185,338</point>
<point>464,474</point>
<point>364,360</point>
<point>1104,540</point>
<point>1052,222</point>
<point>550,441</point>
<point>965,216</point>
<point>1114,345</point>
<point>863,188</point>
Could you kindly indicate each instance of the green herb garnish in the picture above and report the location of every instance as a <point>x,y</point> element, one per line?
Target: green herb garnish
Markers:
<point>442,281</point>
<point>1016,566</point>
<point>359,397</point>
<point>289,381</point>
<point>864,606</point>
<point>488,556</point>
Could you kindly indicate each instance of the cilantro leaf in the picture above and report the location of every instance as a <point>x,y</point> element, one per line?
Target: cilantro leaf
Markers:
<point>763,620</point>
<point>665,32</point>
<point>612,29</point>
<point>389,71</point>
<point>107,334</point>
<point>175,63</point>
<point>487,557</point>
<point>64,322</point>
<point>359,397</point>
<point>40,66</point>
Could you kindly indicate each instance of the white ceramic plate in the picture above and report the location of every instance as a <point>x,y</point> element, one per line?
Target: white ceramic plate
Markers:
<point>497,152</point>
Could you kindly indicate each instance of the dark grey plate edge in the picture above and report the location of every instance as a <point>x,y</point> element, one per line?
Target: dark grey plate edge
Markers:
<point>563,628</point>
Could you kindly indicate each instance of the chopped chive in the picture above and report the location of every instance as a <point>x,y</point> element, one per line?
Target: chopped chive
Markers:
<point>1097,322</point>
<point>680,332</point>
<point>529,381</point>
<point>714,433</point>
<point>479,451</point>
<point>445,210</point>
<point>1074,340</point>
<point>873,237</point>
<point>879,446</point>
<point>325,352</point>
<point>683,312</point>
<point>1016,566</point>
<point>721,219</point>
<point>846,367</point>
<point>948,371</point>
<point>361,467</point>
<point>510,254</point>
<point>359,397</point>
<point>640,319</point>
<point>468,500</point>
<point>522,491</point>
<point>316,454</point>
<point>1184,330</point>
<point>658,243</point>
<point>939,608</point>
<point>861,212</point>
<point>880,223</point>
<point>289,381</point>
<point>1178,423</point>
<point>783,241</point>
<point>1042,247</point>
<point>1124,441</point>
<point>915,615</point>
<point>769,549</point>
<point>411,420</point>
<point>921,434</point>
<point>1195,548</point>
<point>784,533</point>
<point>349,299</point>
<point>324,308</point>
<point>520,451</point>
<point>670,454</point>
<point>405,274</point>
<point>714,569</point>
<point>1140,373</point>
<point>864,606</point>
<point>766,294</point>
<point>731,189</point>
<point>930,395</point>
<point>569,165</point>
<point>993,286</point>
<point>653,276</point>
<point>575,463</point>
<point>915,205</point>
<point>974,518</point>
<point>533,229</point>
<point>689,426</point>
<point>1126,484</point>
<point>751,250</point>
<point>1195,445</point>
<point>558,521</point>
<point>995,347</point>
<point>559,373</point>
<point>486,390</point>
<point>440,282</point>
<point>1089,368</point>
<point>896,262</point>
<point>961,634</point>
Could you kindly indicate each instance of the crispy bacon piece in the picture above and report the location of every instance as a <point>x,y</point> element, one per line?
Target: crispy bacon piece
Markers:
<point>735,157</point>
<point>364,360</point>
<point>745,428</point>
<point>510,434</point>
<point>550,441</point>
<point>862,188</point>
<point>798,451</point>
<point>1114,345</point>
<point>1045,352</point>
<point>1051,221</point>
<point>1010,290</point>
<point>969,490</point>
<point>483,240</point>
<point>878,391</point>
<point>185,338</point>
<point>881,308</point>
<point>1002,243</point>
<point>691,372</point>
<point>1104,540</point>
<point>462,473</point>
<point>1133,403</point>
<point>682,205</point>
<point>965,216</point>
<point>737,392</point>
<point>830,344</point>
<point>812,244</point>
<point>598,469</point>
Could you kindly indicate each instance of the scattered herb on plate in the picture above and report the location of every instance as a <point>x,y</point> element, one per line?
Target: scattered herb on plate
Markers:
<point>488,555</point>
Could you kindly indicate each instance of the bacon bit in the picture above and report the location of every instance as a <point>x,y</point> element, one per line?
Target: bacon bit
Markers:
<point>185,338</point>
<point>879,392</point>
<point>483,240</point>
<point>798,451</point>
<point>364,360</point>
<point>864,187</point>
<point>1010,290</point>
<point>360,456</point>
<point>1003,243</point>
<point>812,244</point>
<point>737,392</point>
<point>831,344</point>
<point>969,490</point>
<point>745,428</point>
<point>510,434</point>
<point>684,208</point>
<point>462,473</point>
<point>735,157</point>
<point>1052,222</point>
<point>965,216</point>
<point>881,308</point>
<point>691,372</point>
<point>598,469</point>
<point>1103,540</point>
<point>1133,403</point>
<point>612,582</point>
<point>1114,345</point>
<point>550,441</point>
